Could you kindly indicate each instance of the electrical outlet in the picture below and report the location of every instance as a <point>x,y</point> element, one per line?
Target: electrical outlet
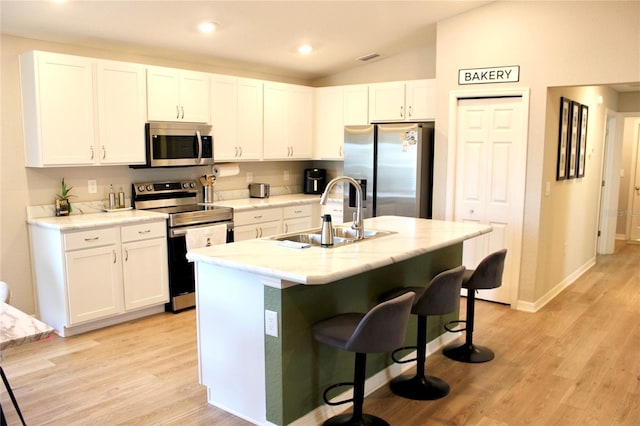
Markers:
<point>271,323</point>
<point>286,175</point>
<point>93,186</point>
<point>249,177</point>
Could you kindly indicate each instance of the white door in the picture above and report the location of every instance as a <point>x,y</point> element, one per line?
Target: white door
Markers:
<point>634,234</point>
<point>490,182</point>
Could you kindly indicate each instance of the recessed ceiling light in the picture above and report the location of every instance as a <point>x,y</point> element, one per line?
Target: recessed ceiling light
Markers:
<point>305,49</point>
<point>207,27</point>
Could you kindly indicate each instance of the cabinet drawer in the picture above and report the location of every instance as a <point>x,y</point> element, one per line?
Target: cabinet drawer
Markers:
<point>257,216</point>
<point>297,211</point>
<point>88,239</point>
<point>143,231</point>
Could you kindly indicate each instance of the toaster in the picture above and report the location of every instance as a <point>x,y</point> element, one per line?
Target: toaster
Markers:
<point>259,190</point>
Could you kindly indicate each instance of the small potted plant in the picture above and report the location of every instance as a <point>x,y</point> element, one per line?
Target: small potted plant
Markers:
<point>63,205</point>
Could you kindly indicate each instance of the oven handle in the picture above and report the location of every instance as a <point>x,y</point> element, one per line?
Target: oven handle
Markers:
<point>182,231</point>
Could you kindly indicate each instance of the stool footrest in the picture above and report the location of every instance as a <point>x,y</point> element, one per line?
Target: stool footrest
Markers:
<point>449,324</point>
<point>330,388</point>
<point>405,348</point>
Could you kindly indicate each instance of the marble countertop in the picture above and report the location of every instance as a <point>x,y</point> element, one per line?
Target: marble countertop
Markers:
<point>243,204</point>
<point>316,265</point>
<point>17,328</point>
<point>94,220</point>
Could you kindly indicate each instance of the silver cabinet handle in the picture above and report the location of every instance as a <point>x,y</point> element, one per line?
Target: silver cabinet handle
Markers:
<point>182,108</point>
<point>104,152</point>
<point>257,232</point>
<point>146,231</point>
<point>401,112</point>
<point>410,110</point>
<point>177,111</point>
<point>126,255</point>
<point>240,148</point>
<point>91,151</point>
<point>92,239</point>
<point>114,256</point>
<point>286,228</point>
<point>258,217</point>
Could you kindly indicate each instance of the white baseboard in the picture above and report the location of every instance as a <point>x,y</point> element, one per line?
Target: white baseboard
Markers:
<point>540,303</point>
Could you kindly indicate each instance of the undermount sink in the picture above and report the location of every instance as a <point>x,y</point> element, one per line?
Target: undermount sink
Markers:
<point>342,235</point>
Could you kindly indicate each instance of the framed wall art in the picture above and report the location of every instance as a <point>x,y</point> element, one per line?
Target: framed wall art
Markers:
<point>582,146</point>
<point>574,131</point>
<point>563,138</point>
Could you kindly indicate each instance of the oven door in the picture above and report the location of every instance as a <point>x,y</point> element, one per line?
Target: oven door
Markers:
<point>182,284</point>
<point>179,144</point>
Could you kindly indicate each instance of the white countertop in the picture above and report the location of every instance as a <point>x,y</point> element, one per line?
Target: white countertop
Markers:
<point>243,204</point>
<point>17,328</point>
<point>95,220</point>
<point>317,265</point>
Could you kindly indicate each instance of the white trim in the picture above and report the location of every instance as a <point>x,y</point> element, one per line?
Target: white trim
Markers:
<point>568,281</point>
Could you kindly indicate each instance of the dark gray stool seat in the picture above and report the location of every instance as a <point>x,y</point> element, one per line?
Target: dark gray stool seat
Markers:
<point>381,329</point>
<point>487,275</point>
<point>440,296</point>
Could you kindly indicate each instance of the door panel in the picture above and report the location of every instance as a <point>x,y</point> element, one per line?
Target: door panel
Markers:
<point>490,182</point>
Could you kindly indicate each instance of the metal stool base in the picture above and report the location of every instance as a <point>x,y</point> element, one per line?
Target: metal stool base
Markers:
<point>349,420</point>
<point>426,388</point>
<point>468,353</point>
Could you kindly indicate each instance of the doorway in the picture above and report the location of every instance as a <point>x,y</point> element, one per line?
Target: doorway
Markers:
<point>491,134</point>
<point>634,188</point>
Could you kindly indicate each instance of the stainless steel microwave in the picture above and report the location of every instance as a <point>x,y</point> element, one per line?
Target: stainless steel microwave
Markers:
<point>178,144</point>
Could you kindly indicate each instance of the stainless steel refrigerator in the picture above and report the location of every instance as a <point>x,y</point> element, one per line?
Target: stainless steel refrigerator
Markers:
<point>394,165</point>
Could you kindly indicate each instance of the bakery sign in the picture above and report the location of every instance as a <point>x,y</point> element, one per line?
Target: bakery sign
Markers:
<point>489,75</point>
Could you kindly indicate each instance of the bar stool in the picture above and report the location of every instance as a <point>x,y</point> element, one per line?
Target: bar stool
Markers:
<point>487,275</point>
<point>379,330</point>
<point>440,296</point>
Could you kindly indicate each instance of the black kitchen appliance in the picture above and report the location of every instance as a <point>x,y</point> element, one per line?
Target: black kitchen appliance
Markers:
<point>178,199</point>
<point>315,181</point>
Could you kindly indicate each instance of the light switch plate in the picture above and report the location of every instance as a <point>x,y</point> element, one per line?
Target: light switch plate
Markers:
<point>249,177</point>
<point>271,323</point>
<point>93,186</point>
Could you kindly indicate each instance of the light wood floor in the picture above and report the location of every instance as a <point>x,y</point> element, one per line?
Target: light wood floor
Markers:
<point>575,362</point>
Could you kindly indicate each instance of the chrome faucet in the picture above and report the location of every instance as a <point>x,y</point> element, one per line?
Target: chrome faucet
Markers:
<point>358,224</point>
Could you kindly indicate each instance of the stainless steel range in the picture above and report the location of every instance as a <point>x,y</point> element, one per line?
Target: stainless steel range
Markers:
<point>179,199</point>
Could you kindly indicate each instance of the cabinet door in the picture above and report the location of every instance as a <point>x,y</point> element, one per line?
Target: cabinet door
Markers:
<point>58,109</point>
<point>163,94</point>
<point>195,105</point>
<point>224,117</point>
<point>329,127</point>
<point>121,113</point>
<point>296,225</point>
<point>94,284</point>
<point>268,229</point>
<point>250,116</point>
<point>386,102</point>
<point>421,99</point>
<point>356,105</point>
<point>276,143</point>
<point>144,267</point>
<point>300,122</point>
<point>245,232</point>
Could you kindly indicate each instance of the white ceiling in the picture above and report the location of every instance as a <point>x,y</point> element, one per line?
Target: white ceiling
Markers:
<point>259,35</point>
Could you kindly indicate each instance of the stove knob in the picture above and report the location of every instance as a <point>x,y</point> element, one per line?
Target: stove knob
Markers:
<point>149,187</point>
<point>141,188</point>
<point>185,185</point>
<point>192,184</point>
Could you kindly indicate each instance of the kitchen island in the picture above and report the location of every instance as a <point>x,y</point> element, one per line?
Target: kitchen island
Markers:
<point>256,302</point>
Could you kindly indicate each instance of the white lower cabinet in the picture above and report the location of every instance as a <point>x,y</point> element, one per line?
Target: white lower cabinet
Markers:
<point>296,218</point>
<point>92,278</point>
<point>257,223</point>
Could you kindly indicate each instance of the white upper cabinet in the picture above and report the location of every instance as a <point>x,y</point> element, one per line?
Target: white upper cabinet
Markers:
<point>236,116</point>
<point>402,101</point>
<point>121,113</point>
<point>288,121</point>
<point>336,107</point>
<point>57,109</point>
<point>81,111</point>
<point>177,95</point>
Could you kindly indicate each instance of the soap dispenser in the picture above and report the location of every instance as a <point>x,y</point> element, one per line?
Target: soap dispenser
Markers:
<point>326,233</point>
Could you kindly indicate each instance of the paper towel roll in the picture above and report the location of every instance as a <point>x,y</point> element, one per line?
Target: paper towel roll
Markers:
<point>225,169</point>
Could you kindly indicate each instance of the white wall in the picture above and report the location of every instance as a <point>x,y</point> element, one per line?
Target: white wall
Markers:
<point>555,44</point>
